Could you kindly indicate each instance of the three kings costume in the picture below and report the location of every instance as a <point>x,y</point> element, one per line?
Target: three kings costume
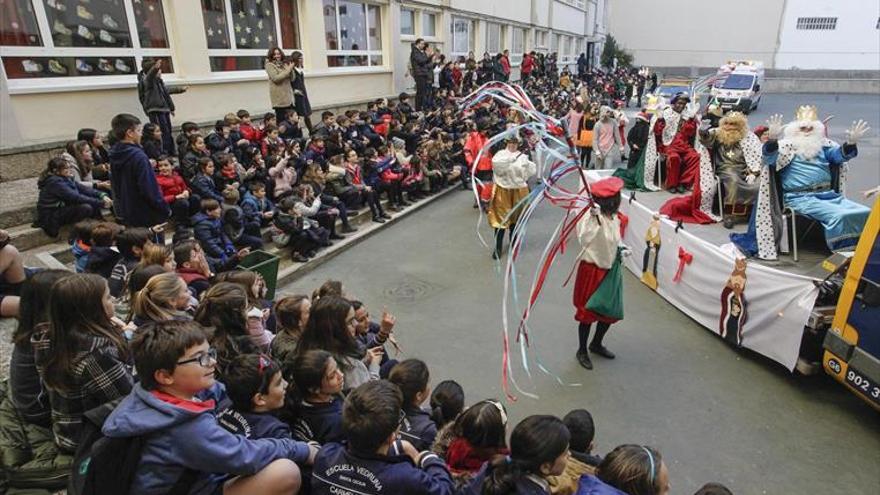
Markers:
<point>813,187</point>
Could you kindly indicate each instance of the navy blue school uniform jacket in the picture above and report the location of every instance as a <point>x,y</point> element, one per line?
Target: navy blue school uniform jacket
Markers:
<point>338,471</point>
<point>321,423</point>
<point>418,428</point>
<point>253,425</point>
<point>525,485</point>
<point>137,199</point>
<point>214,241</point>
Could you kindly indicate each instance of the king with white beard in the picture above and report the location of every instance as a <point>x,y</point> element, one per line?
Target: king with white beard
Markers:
<point>811,170</point>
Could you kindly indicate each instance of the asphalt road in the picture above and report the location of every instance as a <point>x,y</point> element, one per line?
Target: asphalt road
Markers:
<point>715,413</point>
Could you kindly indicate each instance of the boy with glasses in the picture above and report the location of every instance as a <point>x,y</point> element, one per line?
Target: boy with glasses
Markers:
<point>173,408</point>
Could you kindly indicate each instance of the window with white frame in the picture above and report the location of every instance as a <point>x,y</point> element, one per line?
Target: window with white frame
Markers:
<point>429,24</point>
<point>353,34</point>
<point>493,38</point>
<point>408,22</point>
<point>51,39</point>
<point>554,42</point>
<point>569,48</point>
<point>817,23</point>
<point>517,49</point>
<point>462,36</point>
<point>540,39</point>
<point>239,33</point>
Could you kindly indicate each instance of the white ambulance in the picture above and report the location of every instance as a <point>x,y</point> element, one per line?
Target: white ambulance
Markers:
<point>737,85</point>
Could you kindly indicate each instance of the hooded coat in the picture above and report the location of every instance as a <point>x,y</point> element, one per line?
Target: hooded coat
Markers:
<point>137,199</point>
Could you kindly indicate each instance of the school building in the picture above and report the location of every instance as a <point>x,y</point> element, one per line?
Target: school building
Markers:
<point>68,64</point>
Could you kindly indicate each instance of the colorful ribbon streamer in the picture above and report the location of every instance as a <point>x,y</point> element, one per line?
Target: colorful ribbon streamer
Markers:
<point>684,258</point>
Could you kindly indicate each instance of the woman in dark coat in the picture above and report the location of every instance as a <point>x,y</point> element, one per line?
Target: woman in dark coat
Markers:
<point>300,95</point>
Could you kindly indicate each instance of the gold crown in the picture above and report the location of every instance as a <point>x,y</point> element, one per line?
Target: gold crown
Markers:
<point>806,113</point>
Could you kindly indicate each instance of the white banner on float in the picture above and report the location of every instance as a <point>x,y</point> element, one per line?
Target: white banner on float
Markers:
<point>748,304</point>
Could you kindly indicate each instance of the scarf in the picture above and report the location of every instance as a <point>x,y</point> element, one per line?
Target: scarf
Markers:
<point>462,457</point>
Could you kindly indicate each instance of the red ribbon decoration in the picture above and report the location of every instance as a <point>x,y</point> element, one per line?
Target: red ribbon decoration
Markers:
<point>684,258</point>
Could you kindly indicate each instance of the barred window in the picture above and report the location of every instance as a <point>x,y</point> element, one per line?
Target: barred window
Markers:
<point>817,23</point>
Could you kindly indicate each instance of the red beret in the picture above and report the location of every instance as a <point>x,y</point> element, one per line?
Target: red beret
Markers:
<point>761,129</point>
<point>606,188</point>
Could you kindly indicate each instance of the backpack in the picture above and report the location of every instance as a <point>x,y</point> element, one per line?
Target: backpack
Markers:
<point>108,465</point>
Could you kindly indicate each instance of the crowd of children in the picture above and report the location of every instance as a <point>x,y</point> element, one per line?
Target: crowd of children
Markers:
<point>209,387</point>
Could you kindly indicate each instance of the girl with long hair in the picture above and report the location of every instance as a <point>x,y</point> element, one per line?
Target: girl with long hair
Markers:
<point>165,297</point>
<point>259,311</point>
<point>82,356</point>
<point>291,317</point>
<point>629,470</point>
<point>538,450</point>
<point>331,327</point>
<point>317,390</point>
<point>477,436</point>
<point>26,390</point>
<point>224,308</point>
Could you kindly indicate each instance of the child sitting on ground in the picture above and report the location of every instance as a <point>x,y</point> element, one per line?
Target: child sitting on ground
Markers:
<point>173,410</point>
<point>192,266</point>
<point>208,230</point>
<point>413,379</point>
<point>478,435</point>
<point>203,183</point>
<point>291,316</point>
<point>370,421</point>
<point>242,231</point>
<point>81,243</point>
<point>538,450</point>
<point>103,256</point>
<point>580,425</point>
<point>130,244</point>
<point>318,383</point>
<point>447,402</point>
<point>256,387</point>
<point>256,206</point>
<point>303,235</point>
<point>183,204</point>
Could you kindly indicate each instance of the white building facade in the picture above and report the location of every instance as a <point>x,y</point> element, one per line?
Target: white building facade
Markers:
<point>784,34</point>
<point>65,65</point>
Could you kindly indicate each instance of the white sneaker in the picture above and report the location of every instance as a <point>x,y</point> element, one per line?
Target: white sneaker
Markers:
<point>106,37</point>
<point>104,65</point>
<point>56,67</point>
<point>83,13</point>
<point>121,66</point>
<point>60,28</point>
<point>82,66</point>
<point>30,66</point>
<point>85,33</point>
<point>109,22</point>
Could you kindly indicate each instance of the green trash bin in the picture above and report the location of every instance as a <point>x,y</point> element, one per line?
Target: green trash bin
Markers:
<point>266,264</point>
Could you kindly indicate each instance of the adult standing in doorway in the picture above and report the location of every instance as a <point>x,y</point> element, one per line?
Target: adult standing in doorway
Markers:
<point>300,95</point>
<point>420,67</point>
<point>156,100</point>
<point>280,82</point>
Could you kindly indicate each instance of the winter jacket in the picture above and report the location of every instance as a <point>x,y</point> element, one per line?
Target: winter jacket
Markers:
<point>137,199</point>
<point>171,187</point>
<point>189,164</point>
<point>152,148</point>
<point>233,221</point>
<point>591,485</point>
<point>254,208</point>
<point>280,90</point>
<point>284,175</point>
<point>25,387</point>
<point>251,133</point>
<point>195,280</point>
<point>119,276</point>
<point>216,143</point>
<point>321,423</point>
<point>528,63</point>
<point>339,470</point>
<point>204,187</point>
<point>59,192</point>
<point>253,425</point>
<point>102,260</point>
<point>153,94</point>
<point>418,428</point>
<point>567,482</point>
<point>210,234</point>
<point>472,146</point>
<point>183,435</point>
<point>80,252</point>
<point>420,63</point>
<point>525,485</point>
<point>97,376</point>
<point>638,134</point>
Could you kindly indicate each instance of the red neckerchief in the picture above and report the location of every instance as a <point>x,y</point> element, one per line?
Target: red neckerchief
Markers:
<point>189,405</point>
<point>229,174</point>
<point>462,457</point>
<point>82,245</point>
